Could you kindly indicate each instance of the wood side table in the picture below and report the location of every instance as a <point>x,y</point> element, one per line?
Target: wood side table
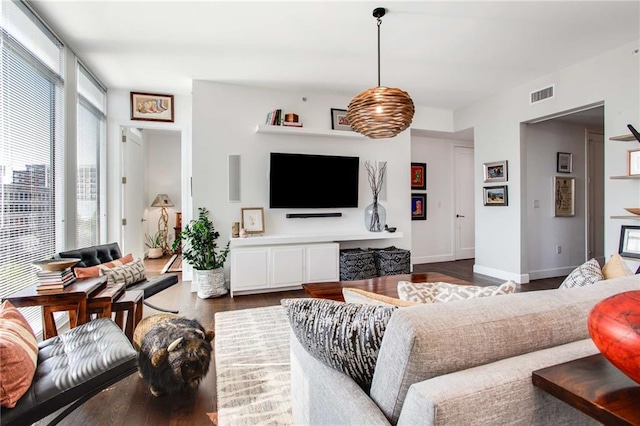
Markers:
<point>72,298</point>
<point>594,386</point>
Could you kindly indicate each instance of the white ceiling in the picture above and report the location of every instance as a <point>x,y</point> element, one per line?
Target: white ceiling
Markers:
<point>445,54</point>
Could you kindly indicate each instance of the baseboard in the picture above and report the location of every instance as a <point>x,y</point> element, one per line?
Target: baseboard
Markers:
<point>504,275</point>
<point>432,259</point>
<point>550,273</point>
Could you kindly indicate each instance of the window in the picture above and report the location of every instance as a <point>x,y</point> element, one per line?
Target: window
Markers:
<point>91,124</point>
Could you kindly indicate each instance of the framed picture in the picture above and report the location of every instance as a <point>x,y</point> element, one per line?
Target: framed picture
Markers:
<point>633,162</point>
<point>564,162</point>
<point>419,176</point>
<point>496,195</point>
<point>418,206</point>
<point>629,241</point>
<point>564,189</point>
<point>252,220</point>
<point>339,120</point>
<point>151,107</point>
<point>496,171</point>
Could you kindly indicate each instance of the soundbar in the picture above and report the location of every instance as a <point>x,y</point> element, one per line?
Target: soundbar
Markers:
<point>306,215</point>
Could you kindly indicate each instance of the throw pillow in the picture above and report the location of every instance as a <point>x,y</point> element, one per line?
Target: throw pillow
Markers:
<point>355,295</point>
<point>440,292</point>
<point>18,355</point>
<point>616,267</point>
<point>344,336</point>
<point>96,271</point>
<point>586,274</point>
<point>127,274</point>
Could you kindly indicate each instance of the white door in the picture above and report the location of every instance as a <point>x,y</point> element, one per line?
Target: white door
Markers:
<point>595,196</point>
<point>464,235</point>
<point>132,193</point>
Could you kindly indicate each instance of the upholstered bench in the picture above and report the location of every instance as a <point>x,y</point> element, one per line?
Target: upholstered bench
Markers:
<point>96,255</point>
<point>71,368</point>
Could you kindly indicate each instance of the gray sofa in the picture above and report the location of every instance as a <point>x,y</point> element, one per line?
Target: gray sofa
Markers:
<point>460,363</point>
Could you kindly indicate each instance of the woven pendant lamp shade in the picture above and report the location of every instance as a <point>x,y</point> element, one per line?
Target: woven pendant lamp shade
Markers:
<point>380,112</point>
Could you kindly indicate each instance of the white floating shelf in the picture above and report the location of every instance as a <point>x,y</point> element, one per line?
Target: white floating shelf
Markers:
<point>625,177</point>
<point>624,138</point>
<point>626,217</point>
<point>297,131</point>
<point>261,240</point>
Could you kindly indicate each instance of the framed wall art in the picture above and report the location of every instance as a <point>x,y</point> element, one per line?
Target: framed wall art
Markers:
<point>418,206</point>
<point>151,107</point>
<point>252,220</point>
<point>339,120</point>
<point>496,195</point>
<point>633,162</point>
<point>629,241</point>
<point>419,176</point>
<point>564,162</point>
<point>496,171</point>
<point>564,189</point>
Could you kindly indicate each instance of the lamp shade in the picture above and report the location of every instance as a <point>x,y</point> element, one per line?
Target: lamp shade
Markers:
<point>381,112</point>
<point>162,200</point>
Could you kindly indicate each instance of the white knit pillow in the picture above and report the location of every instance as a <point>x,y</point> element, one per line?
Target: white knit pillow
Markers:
<point>440,292</point>
<point>129,273</point>
<point>586,274</point>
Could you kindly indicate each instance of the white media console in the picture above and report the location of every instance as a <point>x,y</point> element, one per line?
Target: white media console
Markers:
<point>261,264</point>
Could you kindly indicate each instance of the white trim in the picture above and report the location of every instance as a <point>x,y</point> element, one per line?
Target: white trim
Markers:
<point>497,273</point>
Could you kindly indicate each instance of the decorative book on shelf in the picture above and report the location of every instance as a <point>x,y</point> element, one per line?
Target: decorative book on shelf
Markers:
<point>55,280</point>
<point>277,118</point>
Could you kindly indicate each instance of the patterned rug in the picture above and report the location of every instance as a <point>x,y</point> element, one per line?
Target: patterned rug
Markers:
<point>252,367</point>
<point>174,264</point>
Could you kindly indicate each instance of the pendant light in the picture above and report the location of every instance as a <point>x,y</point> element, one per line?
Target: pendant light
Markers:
<point>380,112</point>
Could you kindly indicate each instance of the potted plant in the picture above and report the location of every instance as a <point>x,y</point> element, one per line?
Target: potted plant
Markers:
<point>154,242</point>
<point>201,251</point>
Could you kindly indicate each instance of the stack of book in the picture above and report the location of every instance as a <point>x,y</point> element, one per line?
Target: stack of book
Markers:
<point>277,118</point>
<point>54,281</point>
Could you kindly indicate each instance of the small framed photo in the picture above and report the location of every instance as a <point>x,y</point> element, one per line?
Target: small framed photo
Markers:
<point>633,162</point>
<point>496,171</point>
<point>419,176</point>
<point>564,162</point>
<point>564,189</point>
<point>629,241</point>
<point>252,220</point>
<point>496,195</point>
<point>418,206</point>
<point>339,120</point>
<point>151,107</point>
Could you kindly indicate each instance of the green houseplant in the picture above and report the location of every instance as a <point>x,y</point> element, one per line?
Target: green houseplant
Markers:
<point>201,251</point>
<point>154,243</point>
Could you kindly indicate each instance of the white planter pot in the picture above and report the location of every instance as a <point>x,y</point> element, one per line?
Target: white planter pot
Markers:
<point>210,283</point>
<point>155,253</point>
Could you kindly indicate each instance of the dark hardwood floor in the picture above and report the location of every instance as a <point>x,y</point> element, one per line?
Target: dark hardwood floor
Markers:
<point>129,401</point>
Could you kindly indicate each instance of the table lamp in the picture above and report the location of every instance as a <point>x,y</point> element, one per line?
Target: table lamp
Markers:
<point>163,201</point>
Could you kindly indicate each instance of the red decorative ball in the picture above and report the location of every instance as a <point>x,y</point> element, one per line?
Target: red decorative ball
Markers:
<point>614,326</point>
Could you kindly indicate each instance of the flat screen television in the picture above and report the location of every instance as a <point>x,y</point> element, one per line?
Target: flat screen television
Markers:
<point>298,181</point>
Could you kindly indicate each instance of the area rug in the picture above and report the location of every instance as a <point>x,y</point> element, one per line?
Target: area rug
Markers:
<point>173,265</point>
<point>252,367</point>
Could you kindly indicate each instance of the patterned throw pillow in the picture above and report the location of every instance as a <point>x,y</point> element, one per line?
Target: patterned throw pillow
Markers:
<point>586,274</point>
<point>440,292</point>
<point>128,274</point>
<point>96,271</point>
<point>18,355</point>
<point>343,336</point>
<point>355,295</point>
<point>616,267</point>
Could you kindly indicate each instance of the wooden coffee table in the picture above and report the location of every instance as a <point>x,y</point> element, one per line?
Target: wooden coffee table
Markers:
<point>387,285</point>
<point>594,386</point>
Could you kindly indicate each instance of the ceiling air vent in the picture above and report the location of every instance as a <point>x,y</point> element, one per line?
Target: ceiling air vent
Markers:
<point>542,94</point>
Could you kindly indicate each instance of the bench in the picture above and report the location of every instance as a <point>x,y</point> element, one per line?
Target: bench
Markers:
<point>72,368</point>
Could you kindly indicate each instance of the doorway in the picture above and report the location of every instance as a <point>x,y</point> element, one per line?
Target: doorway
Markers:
<point>464,233</point>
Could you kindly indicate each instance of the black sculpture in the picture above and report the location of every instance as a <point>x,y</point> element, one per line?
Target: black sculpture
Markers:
<point>634,131</point>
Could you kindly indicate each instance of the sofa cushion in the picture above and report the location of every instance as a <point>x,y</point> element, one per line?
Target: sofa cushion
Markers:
<point>356,295</point>
<point>440,292</point>
<point>587,273</point>
<point>126,274</point>
<point>18,355</point>
<point>344,336</point>
<point>96,271</point>
<point>616,267</point>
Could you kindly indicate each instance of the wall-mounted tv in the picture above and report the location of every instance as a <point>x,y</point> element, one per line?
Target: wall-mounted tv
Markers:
<point>298,181</point>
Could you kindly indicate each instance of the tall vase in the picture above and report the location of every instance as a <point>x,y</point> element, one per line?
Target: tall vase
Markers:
<point>375,216</point>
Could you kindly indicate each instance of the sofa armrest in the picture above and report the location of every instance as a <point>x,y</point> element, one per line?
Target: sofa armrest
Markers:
<point>323,396</point>
<point>497,393</point>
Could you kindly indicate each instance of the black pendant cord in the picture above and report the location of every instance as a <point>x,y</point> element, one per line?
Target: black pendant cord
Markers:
<point>379,22</point>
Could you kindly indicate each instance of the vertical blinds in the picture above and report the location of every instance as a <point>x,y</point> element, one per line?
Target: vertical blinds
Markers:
<point>31,149</point>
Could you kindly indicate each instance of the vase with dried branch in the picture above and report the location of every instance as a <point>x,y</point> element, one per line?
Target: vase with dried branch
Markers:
<point>375,215</point>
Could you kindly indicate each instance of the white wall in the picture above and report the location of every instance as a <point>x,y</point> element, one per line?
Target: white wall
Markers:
<point>544,231</point>
<point>164,174</point>
<point>612,78</point>
<point>433,239</point>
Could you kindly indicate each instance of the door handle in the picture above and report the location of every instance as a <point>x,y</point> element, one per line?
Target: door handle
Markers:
<point>459,215</point>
